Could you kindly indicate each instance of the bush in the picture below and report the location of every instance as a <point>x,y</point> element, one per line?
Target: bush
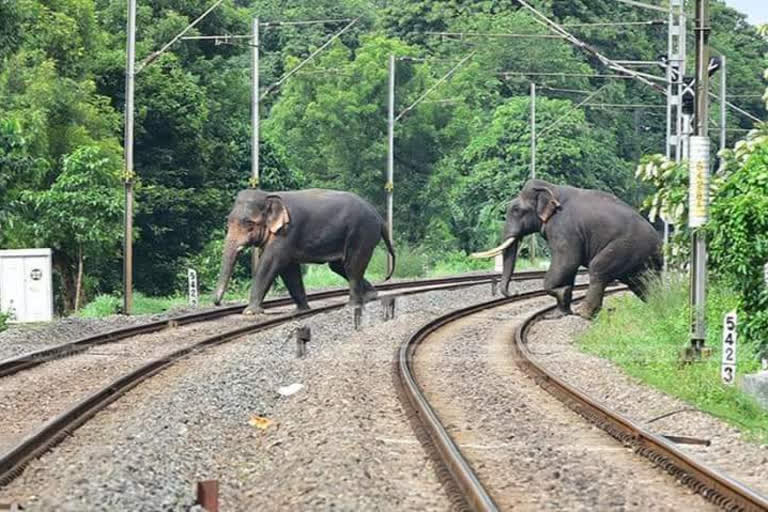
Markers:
<point>3,321</point>
<point>738,243</point>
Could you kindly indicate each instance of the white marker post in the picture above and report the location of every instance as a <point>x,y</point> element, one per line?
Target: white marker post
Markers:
<point>192,280</point>
<point>728,368</point>
<point>765,274</point>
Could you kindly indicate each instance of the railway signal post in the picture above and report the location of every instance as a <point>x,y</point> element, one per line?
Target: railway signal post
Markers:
<point>699,182</point>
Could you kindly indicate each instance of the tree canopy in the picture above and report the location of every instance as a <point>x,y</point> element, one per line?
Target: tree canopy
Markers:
<point>460,153</point>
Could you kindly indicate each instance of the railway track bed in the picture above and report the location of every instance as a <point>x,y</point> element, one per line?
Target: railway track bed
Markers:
<point>728,451</point>
<point>528,450</point>
<point>191,422</point>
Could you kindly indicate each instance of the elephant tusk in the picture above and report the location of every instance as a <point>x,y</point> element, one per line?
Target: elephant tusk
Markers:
<point>496,251</point>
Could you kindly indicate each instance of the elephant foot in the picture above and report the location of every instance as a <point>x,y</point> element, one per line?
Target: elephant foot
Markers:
<point>370,295</point>
<point>586,312</point>
<point>302,308</point>
<point>557,314</point>
<point>253,311</point>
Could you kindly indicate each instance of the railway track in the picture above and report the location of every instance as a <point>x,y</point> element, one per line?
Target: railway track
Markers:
<point>31,359</point>
<point>470,478</point>
<point>57,428</point>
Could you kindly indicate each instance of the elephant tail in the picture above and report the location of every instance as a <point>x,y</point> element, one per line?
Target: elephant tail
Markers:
<point>388,243</point>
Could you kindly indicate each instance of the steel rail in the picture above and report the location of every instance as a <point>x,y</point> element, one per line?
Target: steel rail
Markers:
<point>32,359</point>
<point>475,495</point>
<point>52,432</point>
<point>714,486</point>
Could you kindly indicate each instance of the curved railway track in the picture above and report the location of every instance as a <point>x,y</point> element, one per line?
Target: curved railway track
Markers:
<point>31,359</point>
<point>59,427</point>
<point>709,483</point>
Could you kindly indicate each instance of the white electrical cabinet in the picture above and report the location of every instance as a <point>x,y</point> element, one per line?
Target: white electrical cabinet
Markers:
<point>499,263</point>
<point>26,287</point>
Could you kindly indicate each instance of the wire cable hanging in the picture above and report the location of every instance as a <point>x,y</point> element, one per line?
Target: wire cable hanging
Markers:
<point>443,79</point>
<point>287,75</point>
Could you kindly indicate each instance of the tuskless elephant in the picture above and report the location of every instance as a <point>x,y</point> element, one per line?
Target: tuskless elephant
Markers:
<point>305,226</point>
<point>583,227</point>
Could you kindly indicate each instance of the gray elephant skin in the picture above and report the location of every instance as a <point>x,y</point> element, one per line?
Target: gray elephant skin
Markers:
<point>304,226</point>
<point>583,227</point>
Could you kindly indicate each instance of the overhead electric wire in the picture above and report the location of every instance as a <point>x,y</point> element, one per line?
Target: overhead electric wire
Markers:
<point>492,34</point>
<point>646,6</point>
<point>614,23</point>
<point>152,56</point>
<point>542,19</point>
<point>443,79</point>
<point>570,111</point>
<point>287,75</point>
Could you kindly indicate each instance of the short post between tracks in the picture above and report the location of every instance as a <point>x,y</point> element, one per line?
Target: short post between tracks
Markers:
<point>208,495</point>
<point>388,308</point>
<point>358,316</point>
<point>303,335</point>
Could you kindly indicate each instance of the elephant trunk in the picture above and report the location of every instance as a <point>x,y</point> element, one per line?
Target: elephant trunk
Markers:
<point>228,257</point>
<point>510,258</point>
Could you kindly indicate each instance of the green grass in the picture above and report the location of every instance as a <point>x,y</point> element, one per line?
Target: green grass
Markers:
<point>104,305</point>
<point>411,263</point>
<point>646,339</point>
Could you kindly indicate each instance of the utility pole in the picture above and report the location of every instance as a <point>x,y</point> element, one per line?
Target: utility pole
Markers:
<point>130,75</point>
<point>533,157</point>
<point>699,181</point>
<point>675,73</point>
<point>255,124</point>
<point>723,102</point>
<point>390,153</point>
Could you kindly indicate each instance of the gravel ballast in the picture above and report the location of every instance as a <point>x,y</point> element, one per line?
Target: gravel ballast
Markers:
<point>730,451</point>
<point>342,440</point>
<point>529,450</point>
<point>32,397</point>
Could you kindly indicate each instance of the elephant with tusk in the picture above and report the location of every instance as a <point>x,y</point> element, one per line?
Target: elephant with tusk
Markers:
<point>304,226</point>
<point>583,227</point>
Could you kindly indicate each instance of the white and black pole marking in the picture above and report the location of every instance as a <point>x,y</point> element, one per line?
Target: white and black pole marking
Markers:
<point>728,367</point>
<point>192,287</point>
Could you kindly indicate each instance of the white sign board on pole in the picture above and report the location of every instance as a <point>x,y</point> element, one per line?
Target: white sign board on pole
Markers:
<point>192,281</point>
<point>698,192</point>
<point>728,367</point>
<point>498,263</point>
<point>26,286</point>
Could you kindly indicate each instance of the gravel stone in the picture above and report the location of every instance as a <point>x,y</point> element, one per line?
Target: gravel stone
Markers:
<point>343,441</point>
<point>731,451</point>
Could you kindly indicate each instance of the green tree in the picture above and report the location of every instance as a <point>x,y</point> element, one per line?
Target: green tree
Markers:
<point>80,215</point>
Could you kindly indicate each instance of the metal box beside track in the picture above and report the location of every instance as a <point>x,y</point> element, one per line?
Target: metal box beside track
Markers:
<point>26,287</point>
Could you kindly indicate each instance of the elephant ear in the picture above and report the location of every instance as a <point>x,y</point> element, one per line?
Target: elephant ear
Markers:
<point>546,203</point>
<point>277,214</point>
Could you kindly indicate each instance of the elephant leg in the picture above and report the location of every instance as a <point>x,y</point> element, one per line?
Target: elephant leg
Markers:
<point>291,276</point>
<point>559,284</point>
<point>638,284</point>
<point>338,268</point>
<point>267,270</point>
<point>594,299</point>
<point>355,263</point>
<point>606,266</point>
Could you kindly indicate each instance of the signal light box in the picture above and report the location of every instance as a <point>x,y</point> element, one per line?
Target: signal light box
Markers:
<point>26,285</point>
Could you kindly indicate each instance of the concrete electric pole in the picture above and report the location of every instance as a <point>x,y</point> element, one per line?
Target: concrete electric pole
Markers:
<point>130,75</point>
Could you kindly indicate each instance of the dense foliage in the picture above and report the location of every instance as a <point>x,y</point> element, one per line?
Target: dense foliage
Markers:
<point>460,154</point>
